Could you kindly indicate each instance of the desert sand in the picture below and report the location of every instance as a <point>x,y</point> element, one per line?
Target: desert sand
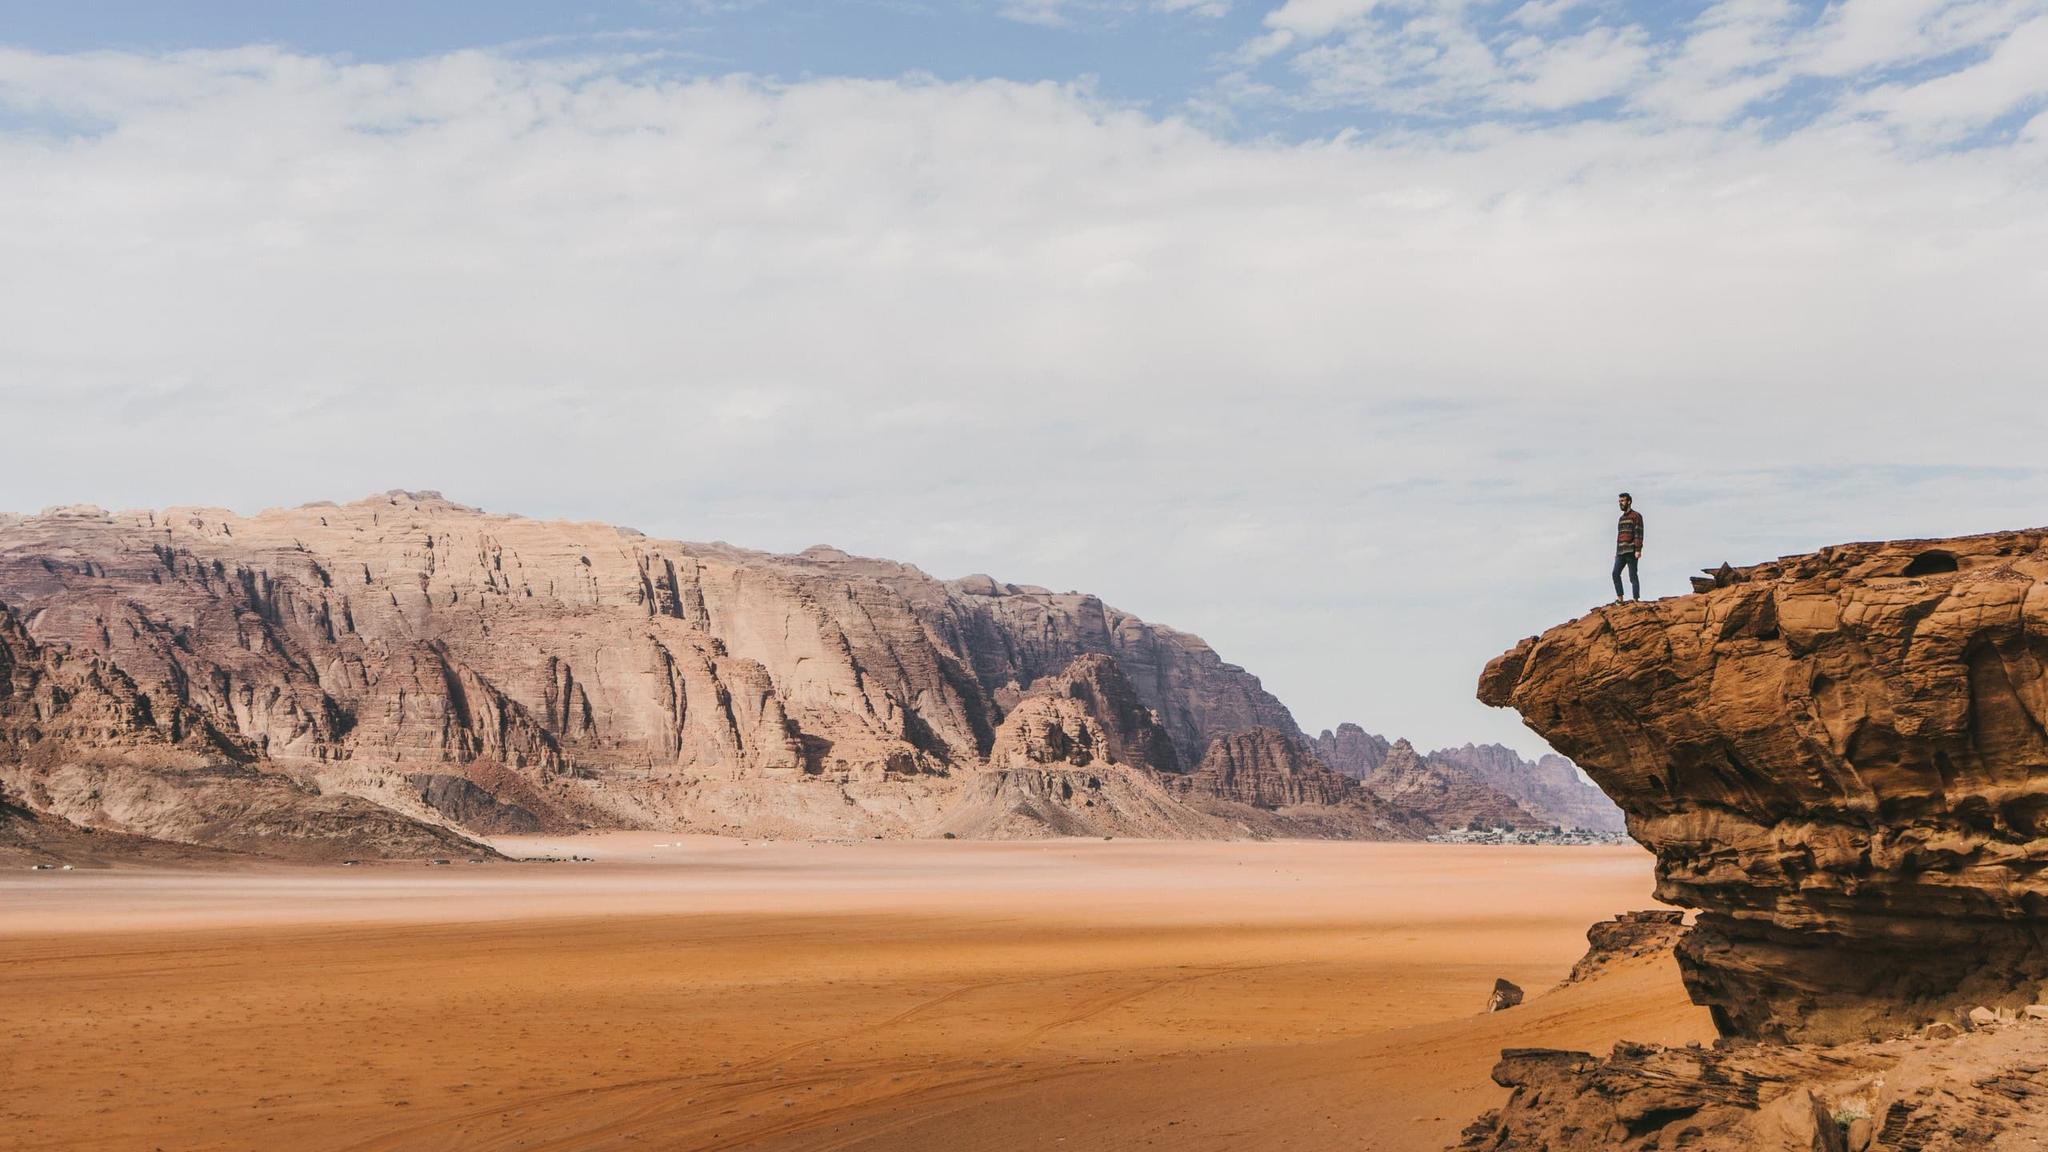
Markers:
<point>714,994</point>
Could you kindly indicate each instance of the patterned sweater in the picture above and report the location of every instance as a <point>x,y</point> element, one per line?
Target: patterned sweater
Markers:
<point>1629,536</point>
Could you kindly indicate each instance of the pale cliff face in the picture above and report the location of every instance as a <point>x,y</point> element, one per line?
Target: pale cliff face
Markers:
<point>1841,759</point>
<point>580,672</point>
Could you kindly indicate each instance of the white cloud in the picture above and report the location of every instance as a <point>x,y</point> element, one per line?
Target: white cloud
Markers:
<point>1209,9</point>
<point>1575,70</point>
<point>1311,19</point>
<point>1049,13</point>
<point>1543,13</point>
<point>1061,13</point>
<point>1732,56</point>
<point>2015,74</point>
<point>1861,36</point>
<point>1353,409</point>
<point>1456,60</point>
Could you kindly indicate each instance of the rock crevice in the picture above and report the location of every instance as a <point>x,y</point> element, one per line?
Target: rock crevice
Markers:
<point>1841,760</point>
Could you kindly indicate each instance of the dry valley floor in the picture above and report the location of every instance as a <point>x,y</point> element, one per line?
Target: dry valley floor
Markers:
<point>716,994</point>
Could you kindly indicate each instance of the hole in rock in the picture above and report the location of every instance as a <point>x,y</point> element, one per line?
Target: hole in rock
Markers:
<point>1931,563</point>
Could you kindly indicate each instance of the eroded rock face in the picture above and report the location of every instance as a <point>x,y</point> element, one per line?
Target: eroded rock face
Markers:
<point>1626,937</point>
<point>1086,714</point>
<point>83,747</point>
<point>1079,755</point>
<point>1271,783</point>
<point>1547,788</point>
<point>1267,768</point>
<point>1351,750</point>
<point>1983,1091</point>
<point>1841,760</point>
<point>1546,792</point>
<point>554,673</point>
<point>1446,799</point>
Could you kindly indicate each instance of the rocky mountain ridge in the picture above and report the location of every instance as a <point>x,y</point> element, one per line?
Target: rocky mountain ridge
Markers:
<point>431,670</point>
<point>1456,787</point>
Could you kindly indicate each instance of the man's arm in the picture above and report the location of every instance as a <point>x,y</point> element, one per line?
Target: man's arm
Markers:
<point>1639,535</point>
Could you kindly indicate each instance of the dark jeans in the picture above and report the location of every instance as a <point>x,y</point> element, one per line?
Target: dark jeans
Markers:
<point>1627,560</point>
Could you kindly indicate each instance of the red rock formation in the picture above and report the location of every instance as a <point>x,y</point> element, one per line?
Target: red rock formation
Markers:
<point>1406,782</point>
<point>1841,759</point>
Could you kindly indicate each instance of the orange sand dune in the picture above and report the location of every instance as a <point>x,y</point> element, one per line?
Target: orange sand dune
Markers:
<point>711,994</point>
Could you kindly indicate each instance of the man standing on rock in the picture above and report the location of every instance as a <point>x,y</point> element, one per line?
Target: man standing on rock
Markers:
<point>1628,548</point>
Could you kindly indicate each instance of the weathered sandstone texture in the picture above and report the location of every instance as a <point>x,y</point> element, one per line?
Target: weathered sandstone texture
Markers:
<point>1628,936</point>
<point>1981,1083</point>
<point>1841,760</point>
<point>206,677</point>
<point>1267,768</point>
<point>1987,1090</point>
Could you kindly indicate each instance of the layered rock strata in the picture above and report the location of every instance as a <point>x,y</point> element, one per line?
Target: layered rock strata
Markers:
<point>1841,760</point>
<point>1979,1083</point>
<point>1626,937</point>
<point>83,747</point>
<point>1982,1092</point>
<point>450,669</point>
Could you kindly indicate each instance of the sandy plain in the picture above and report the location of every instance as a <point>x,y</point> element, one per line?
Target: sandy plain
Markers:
<point>721,994</point>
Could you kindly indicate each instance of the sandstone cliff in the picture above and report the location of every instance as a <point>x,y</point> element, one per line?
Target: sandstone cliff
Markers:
<point>1079,755</point>
<point>1978,1084</point>
<point>1983,1092</point>
<point>82,747</point>
<point>1841,760</point>
<point>445,668</point>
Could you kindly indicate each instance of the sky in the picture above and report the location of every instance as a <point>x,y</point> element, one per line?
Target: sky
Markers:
<point>1324,329</point>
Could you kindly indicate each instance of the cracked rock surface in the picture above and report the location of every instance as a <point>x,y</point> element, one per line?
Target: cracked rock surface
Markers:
<point>1841,760</point>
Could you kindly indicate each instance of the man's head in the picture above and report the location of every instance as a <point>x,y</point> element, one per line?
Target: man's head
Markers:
<point>1626,501</point>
